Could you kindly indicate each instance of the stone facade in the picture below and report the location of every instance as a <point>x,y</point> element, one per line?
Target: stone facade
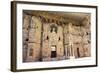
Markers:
<point>52,38</point>
<point>47,38</point>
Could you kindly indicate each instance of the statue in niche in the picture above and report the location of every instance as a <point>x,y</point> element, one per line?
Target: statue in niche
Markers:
<point>53,29</point>
<point>53,35</point>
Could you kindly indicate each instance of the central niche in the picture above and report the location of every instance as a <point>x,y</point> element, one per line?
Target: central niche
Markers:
<point>51,49</point>
<point>53,29</point>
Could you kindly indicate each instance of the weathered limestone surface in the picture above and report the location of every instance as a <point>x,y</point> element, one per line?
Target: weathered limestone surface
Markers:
<point>48,39</point>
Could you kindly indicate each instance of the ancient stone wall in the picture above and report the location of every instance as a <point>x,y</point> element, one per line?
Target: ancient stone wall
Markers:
<point>47,38</point>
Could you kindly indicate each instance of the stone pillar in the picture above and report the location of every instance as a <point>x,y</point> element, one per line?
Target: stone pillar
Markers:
<point>60,46</point>
<point>34,37</point>
<point>66,40</point>
<point>87,36</point>
<point>70,29</point>
<point>26,22</point>
<point>87,41</point>
<point>45,42</point>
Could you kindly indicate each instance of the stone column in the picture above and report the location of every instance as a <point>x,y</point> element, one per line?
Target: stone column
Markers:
<point>26,22</point>
<point>70,27</point>
<point>34,39</point>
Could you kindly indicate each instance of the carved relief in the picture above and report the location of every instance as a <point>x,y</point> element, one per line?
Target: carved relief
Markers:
<point>51,36</point>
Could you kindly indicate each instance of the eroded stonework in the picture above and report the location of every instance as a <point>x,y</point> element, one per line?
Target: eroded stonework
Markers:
<point>48,37</point>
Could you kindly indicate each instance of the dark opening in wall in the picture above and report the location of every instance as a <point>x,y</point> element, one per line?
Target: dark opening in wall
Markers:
<point>47,38</point>
<point>78,53</point>
<point>87,33</point>
<point>27,39</point>
<point>53,28</point>
<point>59,38</point>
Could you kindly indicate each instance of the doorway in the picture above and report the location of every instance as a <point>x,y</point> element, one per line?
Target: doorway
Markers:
<point>78,53</point>
<point>53,52</point>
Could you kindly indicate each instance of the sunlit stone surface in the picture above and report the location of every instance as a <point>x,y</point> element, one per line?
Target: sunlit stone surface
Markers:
<point>52,36</point>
